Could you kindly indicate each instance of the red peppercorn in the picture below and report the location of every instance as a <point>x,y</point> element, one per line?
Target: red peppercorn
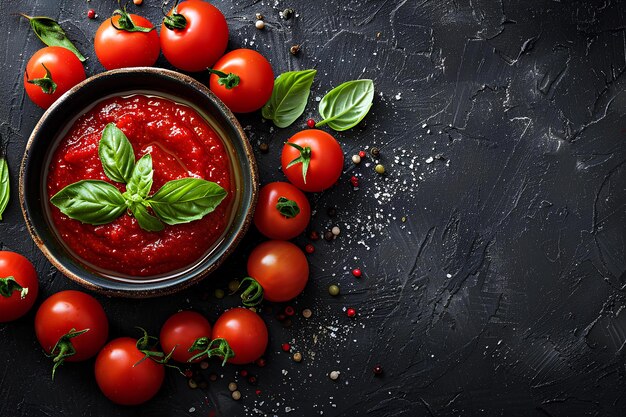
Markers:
<point>290,311</point>
<point>357,272</point>
<point>188,373</point>
<point>243,373</point>
<point>285,347</point>
<point>260,362</point>
<point>281,317</point>
<point>378,370</point>
<point>351,312</point>
<point>257,392</point>
<point>314,235</point>
<point>362,154</point>
<point>310,123</point>
<point>91,13</point>
<point>252,380</point>
<point>355,181</point>
<point>309,248</point>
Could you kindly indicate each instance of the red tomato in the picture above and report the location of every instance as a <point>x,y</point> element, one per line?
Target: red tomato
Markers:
<point>17,295</point>
<point>283,211</point>
<point>64,313</point>
<point>180,331</point>
<point>244,331</point>
<point>254,85</point>
<point>323,155</point>
<point>121,379</point>
<point>120,48</point>
<point>194,35</point>
<point>281,268</point>
<point>65,71</point>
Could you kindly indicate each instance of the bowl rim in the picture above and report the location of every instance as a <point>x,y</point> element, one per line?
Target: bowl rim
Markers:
<point>161,288</point>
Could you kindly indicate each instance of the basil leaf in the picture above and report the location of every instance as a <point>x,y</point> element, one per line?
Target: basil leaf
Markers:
<point>116,154</point>
<point>186,200</point>
<point>5,188</point>
<point>52,34</point>
<point>90,201</point>
<point>140,181</point>
<point>146,220</point>
<point>288,208</point>
<point>289,97</point>
<point>347,104</point>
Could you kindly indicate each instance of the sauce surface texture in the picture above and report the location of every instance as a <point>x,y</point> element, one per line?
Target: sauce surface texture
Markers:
<point>182,145</point>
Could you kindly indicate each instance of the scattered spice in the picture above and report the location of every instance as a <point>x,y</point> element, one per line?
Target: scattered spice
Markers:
<point>378,370</point>
<point>351,312</point>
<point>356,159</point>
<point>91,14</point>
<point>252,380</point>
<point>261,362</point>
<point>334,375</point>
<point>287,13</point>
<point>297,357</point>
<point>192,384</point>
<point>294,50</point>
<point>289,311</point>
<point>285,347</point>
<point>236,395</point>
<point>328,235</point>
<point>232,387</point>
<point>219,293</point>
<point>310,123</point>
<point>314,235</point>
<point>362,154</point>
<point>260,24</point>
<point>259,16</point>
<point>307,313</point>
<point>375,152</point>
<point>380,169</point>
<point>354,181</point>
<point>204,365</point>
<point>334,290</point>
<point>357,272</point>
<point>264,147</point>
<point>309,248</point>
<point>335,230</point>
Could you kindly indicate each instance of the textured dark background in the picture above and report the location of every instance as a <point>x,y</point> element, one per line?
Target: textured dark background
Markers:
<point>502,293</point>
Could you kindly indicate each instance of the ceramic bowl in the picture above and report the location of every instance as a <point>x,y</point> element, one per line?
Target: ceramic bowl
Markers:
<point>60,116</point>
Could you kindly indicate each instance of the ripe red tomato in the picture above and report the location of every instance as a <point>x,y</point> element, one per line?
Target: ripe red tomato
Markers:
<point>281,268</point>
<point>180,331</point>
<point>315,163</point>
<point>121,378</point>
<point>194,35</point>
<point>50,72</point>
<point>245,332</point>
<point>61,317</point>
<point>246,80</point>
<point>121,48</point>
<point>18,286</point>
<point>283,211</point>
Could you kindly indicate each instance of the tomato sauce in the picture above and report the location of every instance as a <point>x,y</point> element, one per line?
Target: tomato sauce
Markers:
<point>182,145</point>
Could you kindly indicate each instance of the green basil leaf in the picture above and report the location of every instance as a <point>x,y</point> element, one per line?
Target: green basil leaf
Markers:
<point>186,200</point>
<point>140,181</point>
<point>52,34</point>
<point>5,188</point>
<point>116,154</point>
<point>90,201</point>
<point>289,97</point>
<point>146,220</point>
<point>347,104</point>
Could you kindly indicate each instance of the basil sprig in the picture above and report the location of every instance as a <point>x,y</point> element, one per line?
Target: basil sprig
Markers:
<point>5,189</point>
<point>289,97</point>
<point>347,104</point>
<point>51,33</point>
<point>99,202</point>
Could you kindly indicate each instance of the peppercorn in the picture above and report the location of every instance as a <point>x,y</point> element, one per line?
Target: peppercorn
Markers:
<point>289,311</point>
<point>362,154</point>
<point>287,13</point>
<point>356,159</point>
<point>260,362</point>
<point>285,347</point>
<point>334,290</point>
<point>380,169</point>
<point>378,370</point>
<point>243,373</point>
<point>333,375</point>
<point>233,285</point>
<point>91,14</point>
<point>264,147</point>
<point>294,50</point>
<point>232,387</point>
<point>188,373</point>
<point>307,313</point>
<point>331,211</point>
<point>219,293</point>
<point>357,272</point>
<point>351,312</point>
<point>192,384</point>
<point>310,123</point>
<point>204,365</point>
<point>252,380</point>
<point>259,24</point>
<point>236,395</point>
<point>335,230</point>
<point>314,235</point>
<point>375,151</point>
<point>280,317</point>
<point>309,248</point>
<point>328,235</point>
<point>137,2</point>
<point>297,357</point>
<point>258,16</point>
<point>213,377</point>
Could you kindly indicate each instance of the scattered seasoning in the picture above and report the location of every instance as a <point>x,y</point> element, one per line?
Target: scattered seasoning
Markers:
<point>357,272</point>
<point>213,377</point>
<point>332,212</point>
<point>257,392</point>
<point>232,387</point>
<point>354,181</point>
<point>236,395</point>
<point>314,235</point>
<point>294,50</point>
<point>261,362</point>
<point>351,312</point>
<point>91,14</point>
<point>290,311</point>
<point>137,2</point>
<point>356,159</point>
<point>307,313</point>
<point>219,293</point>
<point>380,169</point>
<point>378,370</point>
<point>334,290</point>
<point>334,375</point>
<point>204,365</point>
<point>192,384</point>
<point>264,147</point>
<point>335,230</point>
<point>310,123</point>
<point>285,347</point>
<point>259,24</point>
<point>375,152</point>
<point>287,13</point>
<point>233,285</point>
<point>309,248</point>
<point>328,235</point>
<point>297,357</point>
<point>259,16</point>
<point>243,373</point>
<point>252,380</point>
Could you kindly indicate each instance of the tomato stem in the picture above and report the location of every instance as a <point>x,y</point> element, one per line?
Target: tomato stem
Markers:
<point>176,21</point>
<point>288,208</point>
<point>126,22</point>
<point>304,158</point>
<point>64,349</point>
<point>253,295</point>
<point>8,285</point>
<point>229,81</point>
<point>205,345</point>
<point>47,84</point>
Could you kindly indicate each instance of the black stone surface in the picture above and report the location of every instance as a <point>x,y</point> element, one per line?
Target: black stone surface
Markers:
<point>502,292</point>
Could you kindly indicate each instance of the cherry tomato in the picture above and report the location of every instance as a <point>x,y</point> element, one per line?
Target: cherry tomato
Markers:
<point>281,268</point>
<point>18,286</point>
<point>128,46</point>
<point>194,35</point>
<point>245,332</point>
<point>245,80</point>
<point>73,324</point>
<point>283,211</point>
<point>121,378</point>
<point>315,162</point>
<point>50,72</point>
<point>180,331</point>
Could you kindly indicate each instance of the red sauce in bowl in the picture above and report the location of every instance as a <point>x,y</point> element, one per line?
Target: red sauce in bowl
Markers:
<point>182,144</point>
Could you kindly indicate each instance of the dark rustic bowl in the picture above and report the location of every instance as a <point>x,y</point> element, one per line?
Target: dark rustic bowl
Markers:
<point>53,125</point>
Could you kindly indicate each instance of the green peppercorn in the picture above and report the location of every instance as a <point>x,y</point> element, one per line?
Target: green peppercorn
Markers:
<point>333,290</point>
<point>233,285</point>
<point>219,293</point>
<point>380,169</point>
